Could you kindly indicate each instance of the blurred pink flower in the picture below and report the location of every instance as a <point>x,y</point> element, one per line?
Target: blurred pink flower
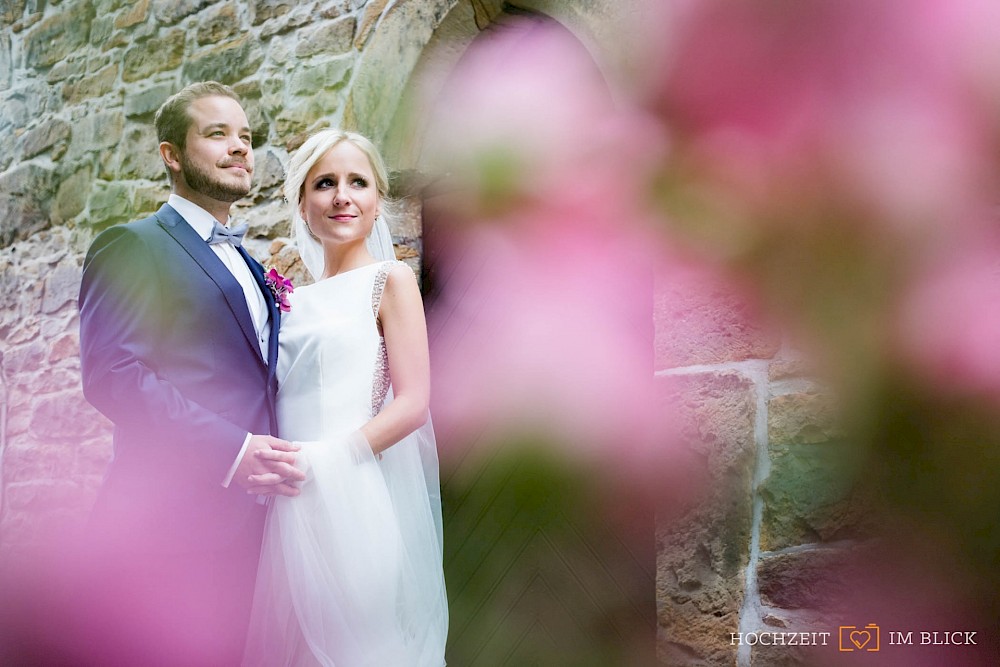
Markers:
<point>949,325</point>
<point>835,99</point>
<point>545,327</point>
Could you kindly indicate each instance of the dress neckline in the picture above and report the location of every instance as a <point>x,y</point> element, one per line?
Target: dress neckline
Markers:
<point>344,273</point>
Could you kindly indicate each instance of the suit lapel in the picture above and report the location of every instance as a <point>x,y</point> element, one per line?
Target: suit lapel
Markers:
<point>172,222</point>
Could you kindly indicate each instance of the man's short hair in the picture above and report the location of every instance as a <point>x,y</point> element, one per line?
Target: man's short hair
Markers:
<point>172,119</point>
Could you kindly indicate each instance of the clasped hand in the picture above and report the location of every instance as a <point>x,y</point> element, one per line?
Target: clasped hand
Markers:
<point>268,467</point>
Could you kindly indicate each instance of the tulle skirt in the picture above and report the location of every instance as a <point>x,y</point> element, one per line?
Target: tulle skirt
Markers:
<point>350,571</point>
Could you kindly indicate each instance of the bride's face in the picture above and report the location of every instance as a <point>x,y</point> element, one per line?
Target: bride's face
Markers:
<point>340,200</point>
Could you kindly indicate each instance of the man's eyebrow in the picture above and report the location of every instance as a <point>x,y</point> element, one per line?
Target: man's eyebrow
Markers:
<point>220,125</point>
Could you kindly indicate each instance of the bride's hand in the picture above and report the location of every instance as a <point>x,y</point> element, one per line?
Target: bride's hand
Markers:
<point>268,467</point>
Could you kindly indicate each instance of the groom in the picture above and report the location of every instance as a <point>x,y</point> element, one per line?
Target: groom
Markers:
<point>179,341</point>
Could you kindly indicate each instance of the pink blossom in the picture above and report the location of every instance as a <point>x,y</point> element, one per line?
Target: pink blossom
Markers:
<point>871,102</point>
<point>949,325</point>
<point>280,287</point>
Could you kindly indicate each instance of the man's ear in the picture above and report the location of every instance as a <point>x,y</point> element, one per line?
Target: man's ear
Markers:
<point>171,156</point>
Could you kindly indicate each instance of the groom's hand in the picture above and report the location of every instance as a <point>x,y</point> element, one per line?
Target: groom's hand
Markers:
<point>268,467</point>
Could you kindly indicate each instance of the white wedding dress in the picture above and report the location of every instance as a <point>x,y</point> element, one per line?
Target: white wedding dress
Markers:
<point>351,569</point>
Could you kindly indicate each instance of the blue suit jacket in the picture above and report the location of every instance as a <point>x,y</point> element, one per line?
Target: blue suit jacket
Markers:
<point>169,354</point>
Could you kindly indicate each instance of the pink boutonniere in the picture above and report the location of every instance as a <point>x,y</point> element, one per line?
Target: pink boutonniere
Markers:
<point>280,287</point>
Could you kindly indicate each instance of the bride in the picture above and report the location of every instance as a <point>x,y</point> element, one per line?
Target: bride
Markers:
<point>350,571</point>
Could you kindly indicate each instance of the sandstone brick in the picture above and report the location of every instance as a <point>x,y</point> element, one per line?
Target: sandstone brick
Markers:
<point>25,193</point>
<point>96,85</point>
<point>62,285</point>
<point>31,461</point>
<point>6,62</point>
<point>332,37</point>
<point>326,75</point>
<point>220,23</point>
<point>24,358</point>
<point>59,34</point>
<point>41,495</point>
<point>268,9</point>
<point>137,156</point>
<point>53,133</point>
<point>57,417</point>
<point>228,62</point>
<point>148,199</point>
<point>96,131</point>
<point>101,29</point>
<point>159,54</point>
<point>71,196</point>
<point>698,319</point>
<point>143,101</point>
<point>814,491</point>
<point>814,579</point>
<point>109,204</point>
<point>135,12</point>
<point>703,552</point>
<point>11,11</point>
<point>172,11</point>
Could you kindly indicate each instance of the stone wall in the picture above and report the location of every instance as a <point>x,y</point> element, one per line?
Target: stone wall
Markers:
<point>79,82</point>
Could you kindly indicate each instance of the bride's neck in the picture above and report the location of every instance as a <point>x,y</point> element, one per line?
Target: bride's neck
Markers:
<point>341,259</point>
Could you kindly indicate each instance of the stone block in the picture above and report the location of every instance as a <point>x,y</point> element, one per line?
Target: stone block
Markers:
<point>158,54</point>
<point>171,11</point>
<point>331,37</point>
<point>148,199</point>
<point>100,29</point>
<point>25,194</point>
<point>71,196</point>
<point>219,23</point>
<point>134,13</point>
<point>703,551</point>
<point>58,35</point>
<point>269,170</point>
<point>27,462</point>
<point>38,495</point>
<point>145,101</point>
<point>11,11</point>
<point>53,133</point>
<point>95,132</point>
<point>6,62</point>
<point>96,85</point>
<point>57,417</point>
<point>698,319</point>
<point>24,359</point>
<point>819,580</point>
<point>228,62</point>
<point>813,491</point>
<point>68,344</point>
<point>138,157</point>
<point>325,75</point>
<point>109,204</point>
<point>265,10</point>
<point>64,69</point>
<point>62,285</point>
<point>296,122</point>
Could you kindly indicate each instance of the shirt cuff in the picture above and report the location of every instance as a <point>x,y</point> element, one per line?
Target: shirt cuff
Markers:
<point>236,464</point>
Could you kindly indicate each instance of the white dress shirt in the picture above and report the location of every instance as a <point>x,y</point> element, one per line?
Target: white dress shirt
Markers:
<point>202,222</point>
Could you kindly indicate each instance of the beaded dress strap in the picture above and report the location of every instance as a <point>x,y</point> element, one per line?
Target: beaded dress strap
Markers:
<point>380,279</point>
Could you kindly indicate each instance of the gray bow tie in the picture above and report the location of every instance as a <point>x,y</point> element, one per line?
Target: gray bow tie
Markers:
<point>222,234</point>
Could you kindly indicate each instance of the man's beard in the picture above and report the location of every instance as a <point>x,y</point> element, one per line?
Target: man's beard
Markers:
<point>204,183</point>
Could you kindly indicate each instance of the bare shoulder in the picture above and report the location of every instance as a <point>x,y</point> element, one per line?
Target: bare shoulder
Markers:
<point>401,278</point>
<point>401,289</point>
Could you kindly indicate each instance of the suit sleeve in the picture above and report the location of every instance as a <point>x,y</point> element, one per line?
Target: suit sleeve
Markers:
<point>120,320</point>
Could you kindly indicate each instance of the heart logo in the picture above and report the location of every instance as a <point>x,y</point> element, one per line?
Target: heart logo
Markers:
<point>860,638</point>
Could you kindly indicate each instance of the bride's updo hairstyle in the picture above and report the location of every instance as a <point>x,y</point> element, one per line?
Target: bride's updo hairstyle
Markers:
<point>311,152</point>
